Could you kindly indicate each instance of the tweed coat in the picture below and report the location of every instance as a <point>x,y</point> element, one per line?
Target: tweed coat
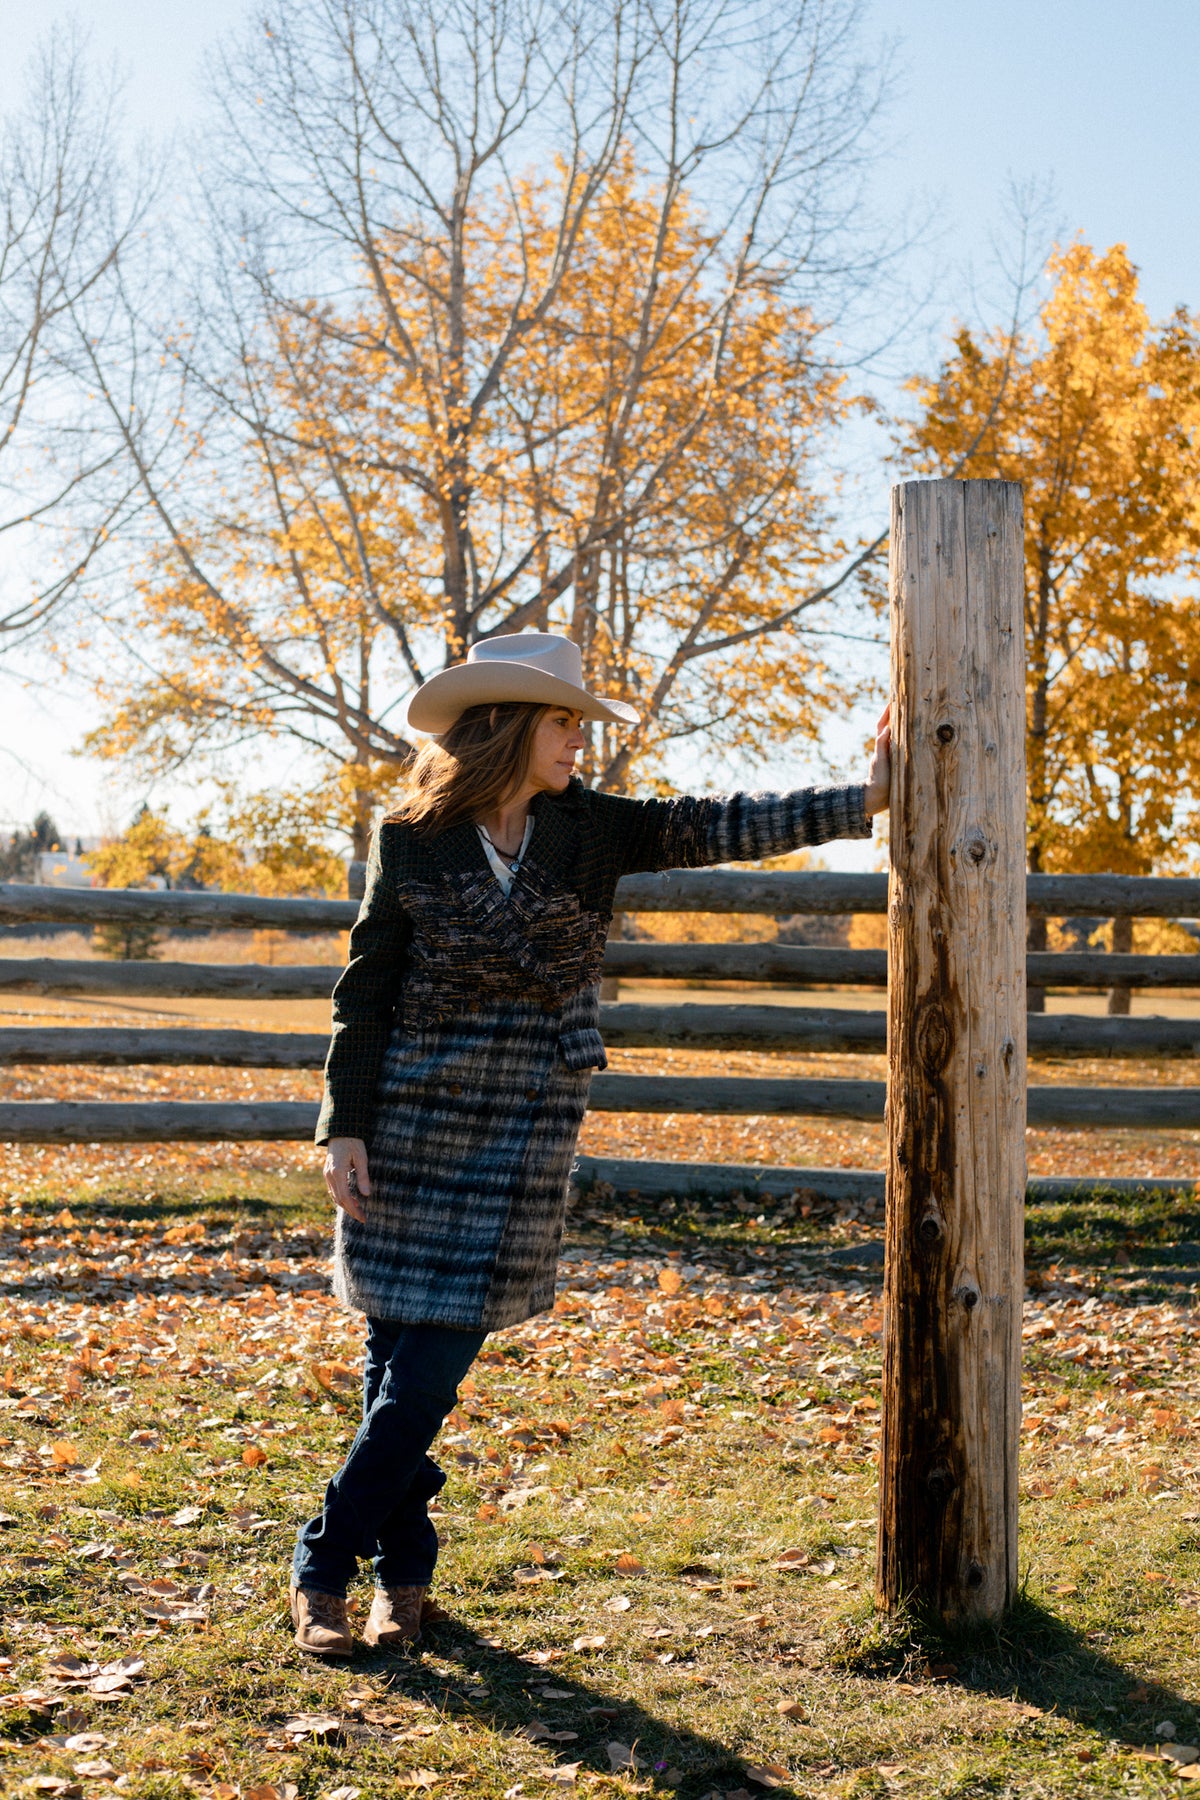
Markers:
<point>466,1028</point>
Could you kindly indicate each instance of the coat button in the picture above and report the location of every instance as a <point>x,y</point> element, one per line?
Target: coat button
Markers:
<point>531,1094</point>
<point>456,1087</point>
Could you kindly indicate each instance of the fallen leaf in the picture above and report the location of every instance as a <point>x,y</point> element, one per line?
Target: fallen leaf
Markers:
<point>64,1455</point>
<point>620,1756</point>
<point>592,1641</point>
<point>792,1709</point>
<point>342,1793</point>
<point>323,1727</point>
<point>96,1769</point>
<point>628,1564</point>
<point>539,1733</point>
<point>562,1774</point>
<point>771,1775</point>
<point>187,1515</point>
<point>65,1667</point>
<point>418,1778</point>
<point>254,1456</point>
<point>669,1280</point>
<point>618,1604</point>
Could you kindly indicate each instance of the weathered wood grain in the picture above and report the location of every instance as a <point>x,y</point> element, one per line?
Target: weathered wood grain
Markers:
<point>1145,1109</point>
<point>783,965</point>
<point>22,903</point>
<point>41,1044</point>
<point>956,1052</point>
<point>833,1099</point>
<point>155,1121</point>
<point>776,893</point>
<point>627,1024</point>
<point>233,981</point>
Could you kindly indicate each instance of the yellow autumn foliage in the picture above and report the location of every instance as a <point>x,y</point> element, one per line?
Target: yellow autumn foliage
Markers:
<point>1097,414</point>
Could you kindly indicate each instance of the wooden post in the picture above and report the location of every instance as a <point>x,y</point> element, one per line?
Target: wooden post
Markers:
<point>954,1280</point>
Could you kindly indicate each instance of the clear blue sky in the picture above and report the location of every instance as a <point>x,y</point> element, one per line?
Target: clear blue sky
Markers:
<point>1098,95</point>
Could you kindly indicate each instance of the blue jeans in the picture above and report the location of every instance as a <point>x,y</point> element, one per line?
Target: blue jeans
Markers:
<point>376,1503</point>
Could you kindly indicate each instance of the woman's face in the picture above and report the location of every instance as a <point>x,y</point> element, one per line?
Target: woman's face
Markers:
<point>557,741</point>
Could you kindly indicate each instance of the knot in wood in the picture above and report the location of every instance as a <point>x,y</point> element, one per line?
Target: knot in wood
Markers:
<point>1007,1051</point>
<point>968,1293</point>
<point>930,1228</point>
<point>941,1483</point>
<point>976,846</point>
<point>945,734</point>
<point>933,1034</point>
<point>975,1574</point>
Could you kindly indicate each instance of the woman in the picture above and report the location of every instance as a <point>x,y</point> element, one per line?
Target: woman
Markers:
<point>465,1032</point>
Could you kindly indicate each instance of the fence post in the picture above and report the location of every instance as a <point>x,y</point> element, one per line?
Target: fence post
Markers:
<point>954,1283</point>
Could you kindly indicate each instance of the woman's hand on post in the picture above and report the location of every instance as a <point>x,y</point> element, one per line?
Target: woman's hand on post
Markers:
<point>879,775</point>
<point>346,1175</point>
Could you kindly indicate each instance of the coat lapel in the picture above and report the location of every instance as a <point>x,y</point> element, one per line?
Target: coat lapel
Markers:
<point>545,871</point>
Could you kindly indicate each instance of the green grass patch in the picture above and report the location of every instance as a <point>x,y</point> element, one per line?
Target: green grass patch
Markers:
<point>626,1477</point>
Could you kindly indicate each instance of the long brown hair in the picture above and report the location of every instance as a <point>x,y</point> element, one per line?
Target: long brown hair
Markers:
<point>471,769</point>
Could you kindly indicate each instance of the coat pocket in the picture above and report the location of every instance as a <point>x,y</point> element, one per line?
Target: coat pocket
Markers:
<point>583,1048</point>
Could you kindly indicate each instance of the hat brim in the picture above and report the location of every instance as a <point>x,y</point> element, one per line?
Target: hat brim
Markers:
<point>445,697</point>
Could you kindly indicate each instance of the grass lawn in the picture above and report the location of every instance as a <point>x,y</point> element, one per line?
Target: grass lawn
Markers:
<point>658,1533</point>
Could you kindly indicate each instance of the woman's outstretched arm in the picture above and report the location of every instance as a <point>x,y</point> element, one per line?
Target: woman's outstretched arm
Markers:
<point>695,831</point>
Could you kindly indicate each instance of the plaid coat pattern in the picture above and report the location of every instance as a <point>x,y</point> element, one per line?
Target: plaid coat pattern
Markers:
<point>466,1029</point>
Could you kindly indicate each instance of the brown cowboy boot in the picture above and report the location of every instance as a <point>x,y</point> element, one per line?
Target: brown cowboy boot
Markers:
<point>322,1626</point>
<point>395,1618</point>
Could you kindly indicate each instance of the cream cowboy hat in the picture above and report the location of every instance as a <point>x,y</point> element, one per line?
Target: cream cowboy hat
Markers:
<point>521,665</point>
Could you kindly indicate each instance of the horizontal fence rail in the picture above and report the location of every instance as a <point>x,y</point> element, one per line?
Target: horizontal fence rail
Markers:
<point>791,965</point>
<point>624,1024</point>
<point>774,892</point>
<point>86,1121</point>
<point>119,1045</point>
<point>757,1026</point>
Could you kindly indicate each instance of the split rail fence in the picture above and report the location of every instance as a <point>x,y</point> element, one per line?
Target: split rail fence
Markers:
<point>725,1025</point>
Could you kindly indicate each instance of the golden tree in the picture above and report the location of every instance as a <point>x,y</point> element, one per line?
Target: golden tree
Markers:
<point>496,388</point>
<point>1097,413</point>
<point>261,847</point>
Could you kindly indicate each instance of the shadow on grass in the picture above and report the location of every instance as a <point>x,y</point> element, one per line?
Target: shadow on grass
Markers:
<point>1033,1657</point>
<point>522,1695</point>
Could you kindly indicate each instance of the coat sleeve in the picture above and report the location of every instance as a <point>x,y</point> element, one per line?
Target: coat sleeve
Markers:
<point>364,1002</point>
<point>692,833</point>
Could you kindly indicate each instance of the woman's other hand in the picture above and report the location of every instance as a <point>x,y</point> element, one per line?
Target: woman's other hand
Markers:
<point>346,1175</point>
<point>879,775</point>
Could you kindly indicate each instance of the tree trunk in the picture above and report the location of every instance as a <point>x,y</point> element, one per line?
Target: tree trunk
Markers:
<point>1122,941</point>
<point>610,985</point>
<point>1036,938</point>
<point>953,1281</point>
